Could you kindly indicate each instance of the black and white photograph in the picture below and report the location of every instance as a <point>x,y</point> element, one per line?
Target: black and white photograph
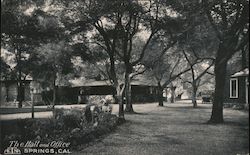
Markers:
<point>124,77</point>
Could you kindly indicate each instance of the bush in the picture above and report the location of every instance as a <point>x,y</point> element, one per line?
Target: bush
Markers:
<point>69,118</point>
<point>110,99</point>
<point>67,125</point>
<point>95,99</point>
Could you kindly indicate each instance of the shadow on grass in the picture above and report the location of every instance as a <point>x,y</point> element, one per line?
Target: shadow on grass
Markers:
<point>239,124</point>
<point>154,140</point>
<point>185,107</point>
<point>168,140</point>
<point>136,113</point>
<point>228,123</point>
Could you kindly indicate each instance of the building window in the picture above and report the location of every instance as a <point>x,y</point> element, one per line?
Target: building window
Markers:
<point>151,90</point>
<point>234,88</point>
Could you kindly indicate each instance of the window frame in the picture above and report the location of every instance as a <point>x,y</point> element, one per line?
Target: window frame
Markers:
<point>237,88</point>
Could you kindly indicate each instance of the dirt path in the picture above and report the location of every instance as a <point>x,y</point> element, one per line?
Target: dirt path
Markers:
<point>176,129</point>
<point>7,113</point>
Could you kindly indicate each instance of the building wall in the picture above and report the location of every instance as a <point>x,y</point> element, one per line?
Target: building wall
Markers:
<point>144,93</point>
<point>68,95</point>
<point>9,91</point>
<point>241,91</point>
<point>34,93</point>
<point>3,93</point>
<point>27,96</point>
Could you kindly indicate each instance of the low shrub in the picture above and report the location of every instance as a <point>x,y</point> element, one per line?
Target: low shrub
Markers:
<point>67,125</point>
<point>95,99</point>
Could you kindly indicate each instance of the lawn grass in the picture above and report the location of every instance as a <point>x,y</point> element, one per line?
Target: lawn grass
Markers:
<point>176,129</point>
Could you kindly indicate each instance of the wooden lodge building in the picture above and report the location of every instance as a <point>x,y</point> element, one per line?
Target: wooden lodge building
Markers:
<point>9,90</point>
<point>141,90</point>
<point>78,92</point>
<point>236,91</point>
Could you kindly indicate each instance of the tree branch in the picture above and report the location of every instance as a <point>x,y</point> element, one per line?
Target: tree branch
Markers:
<point>144,49</point>
<point>176,64</point>
<point>174,77</point>
<point>205,71</point>
<point>210,73</point>
<point>244,41</point>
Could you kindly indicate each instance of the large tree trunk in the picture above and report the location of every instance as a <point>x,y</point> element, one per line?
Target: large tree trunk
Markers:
<point>119,99</point>
<point>194,92</point>
<point>172,94</point>
<point>20,95</point>
<point>32,106</point>
<point>118,90</point>
<point>19,80</point>
<point>160,95</point>
<point>20,90</point>
<point>54,97</point>
<point>54,93</point>
<point>6,99</point>
<point>220,78</point>
<point>129,107</point>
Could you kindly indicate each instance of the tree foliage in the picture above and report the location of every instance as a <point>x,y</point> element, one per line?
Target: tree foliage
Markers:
<point>22,31</point>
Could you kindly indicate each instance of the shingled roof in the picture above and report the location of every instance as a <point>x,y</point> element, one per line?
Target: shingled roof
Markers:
<point>244,72</point>
<point>139,81</point>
